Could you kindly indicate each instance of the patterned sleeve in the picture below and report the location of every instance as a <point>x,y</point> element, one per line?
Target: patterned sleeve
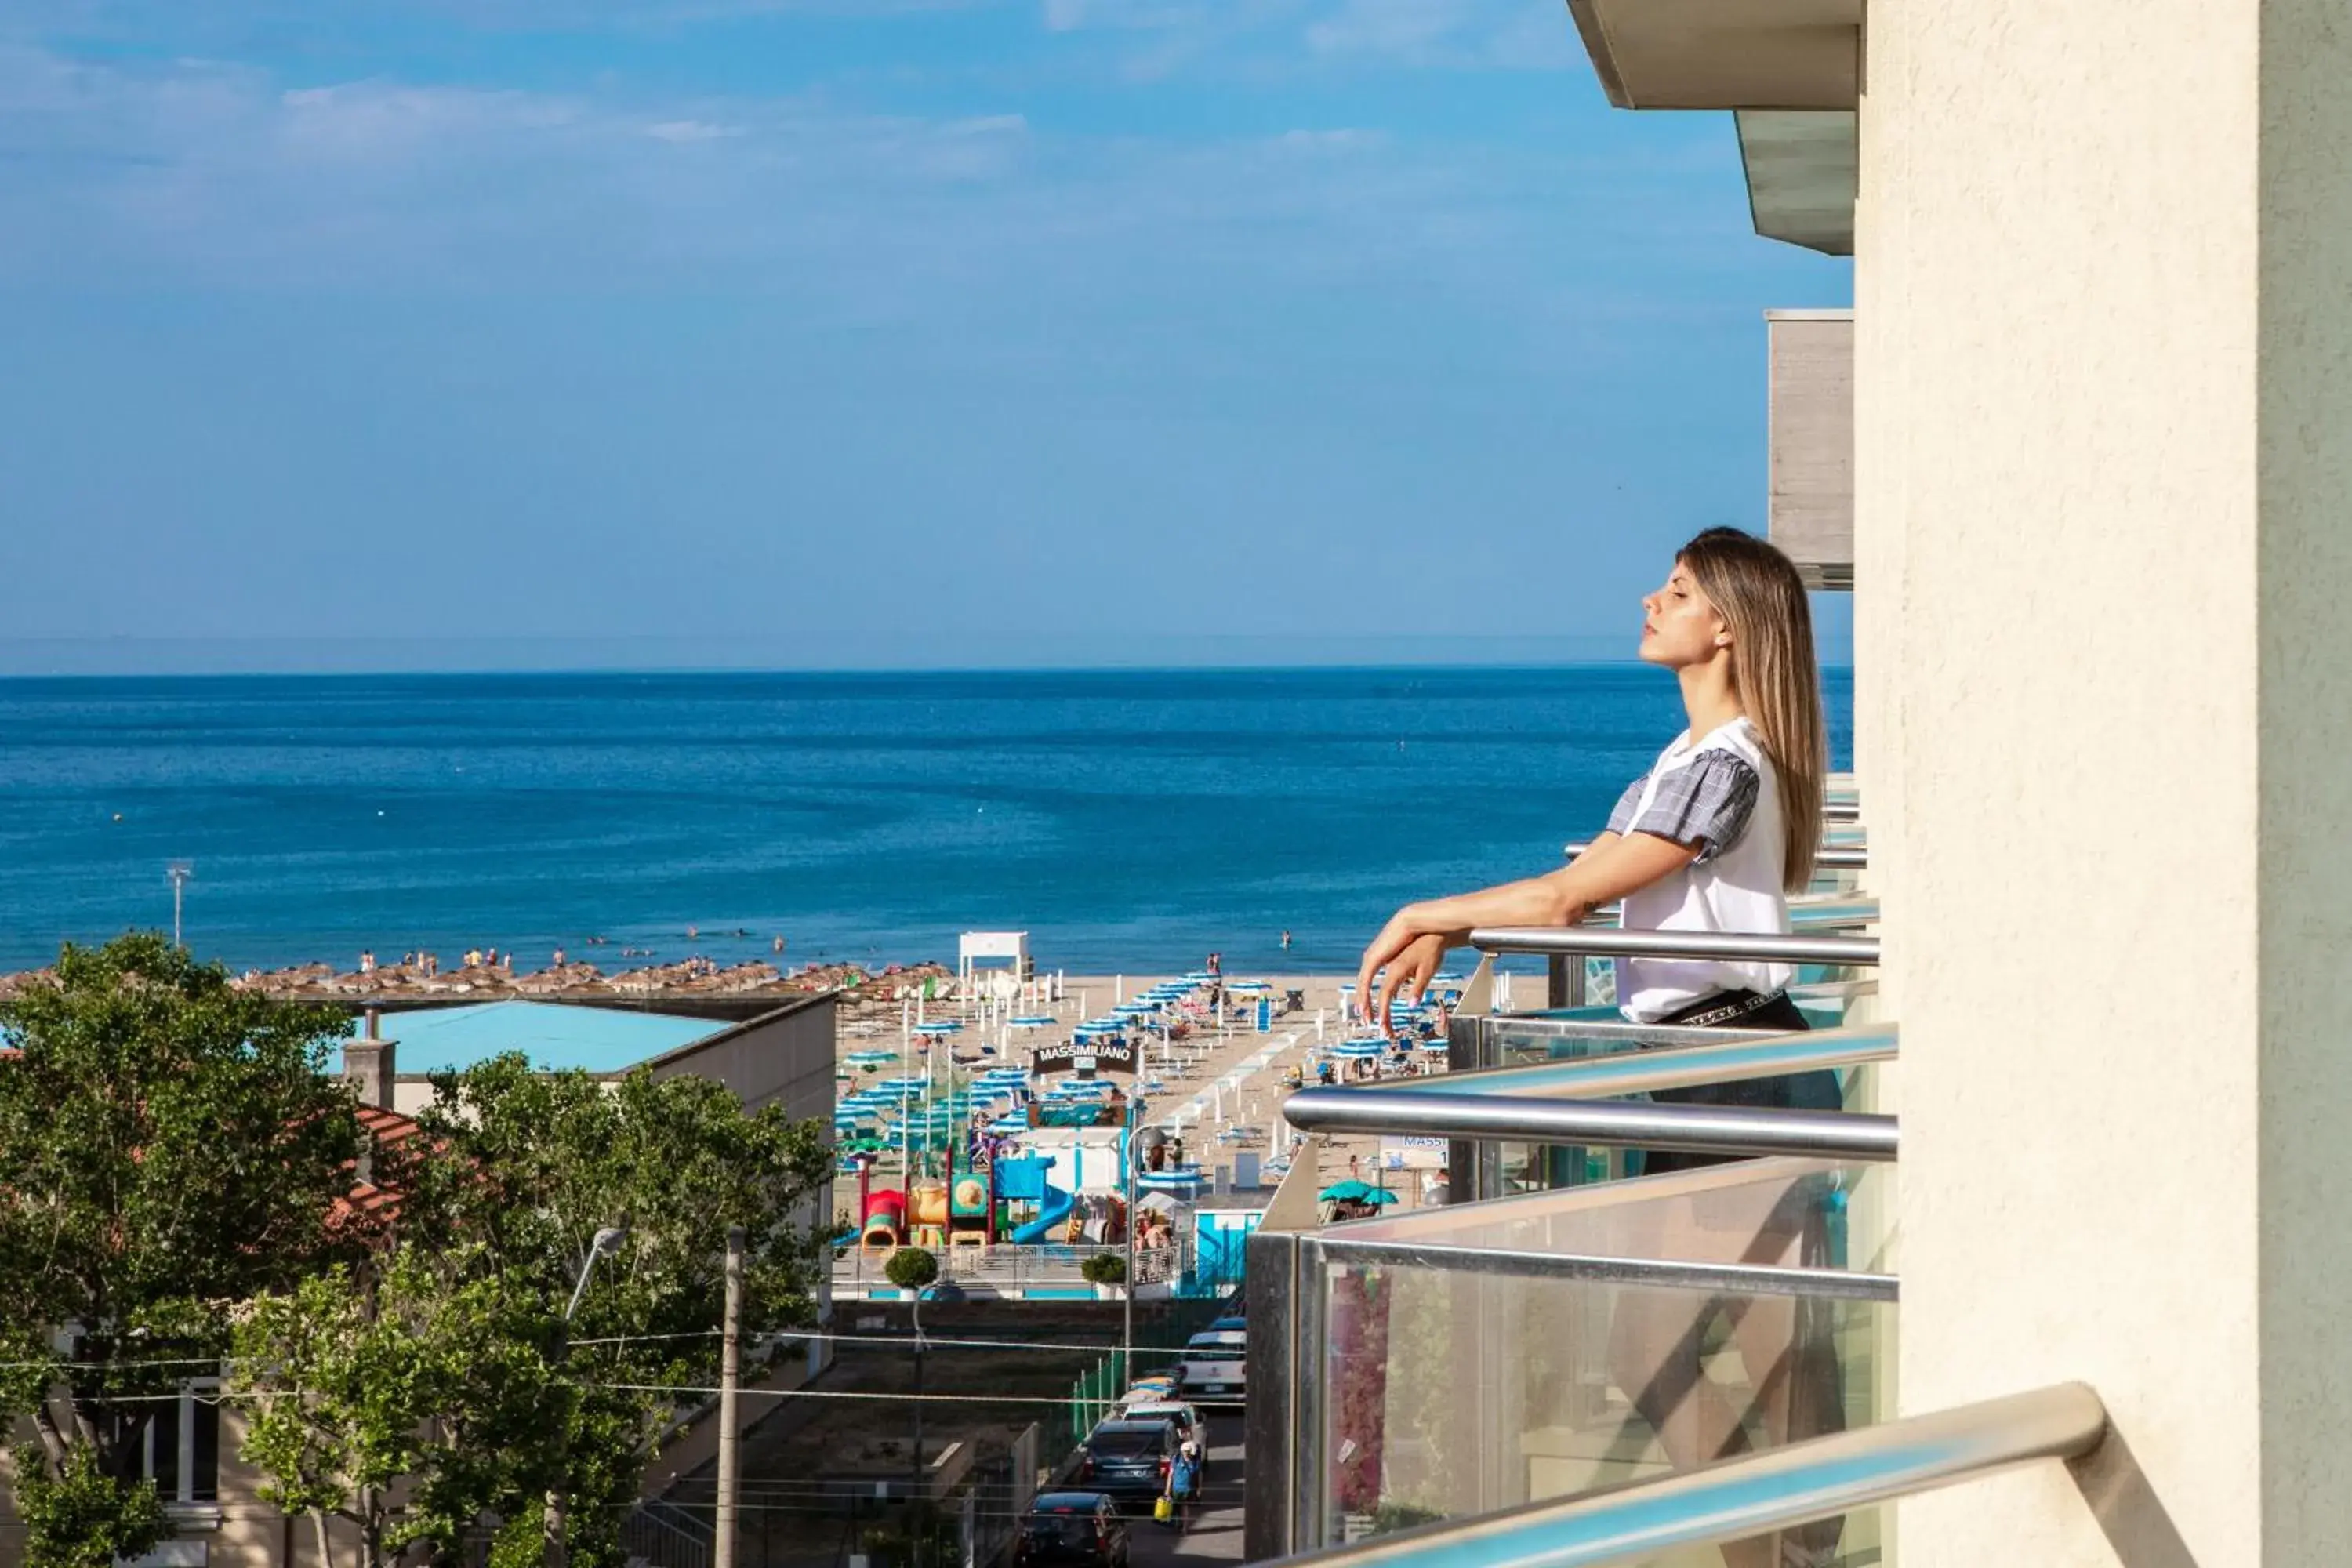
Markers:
<point>1620,818</point>
<point>1707,803</point>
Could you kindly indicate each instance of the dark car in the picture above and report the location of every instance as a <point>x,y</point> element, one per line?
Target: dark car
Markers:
<point>1073,1527</point>
<point>1129,1459</point>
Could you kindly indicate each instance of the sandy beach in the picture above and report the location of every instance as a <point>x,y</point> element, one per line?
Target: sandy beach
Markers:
<point>1233,1079</point>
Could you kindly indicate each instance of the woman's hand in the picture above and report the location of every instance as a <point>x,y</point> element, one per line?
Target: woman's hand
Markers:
<point>1410,974</point>
<point>1412,958</point>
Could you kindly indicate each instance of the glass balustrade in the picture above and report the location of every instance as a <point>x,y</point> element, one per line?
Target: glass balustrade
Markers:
<point>1456,1361</point>
<point>1495,1169</point>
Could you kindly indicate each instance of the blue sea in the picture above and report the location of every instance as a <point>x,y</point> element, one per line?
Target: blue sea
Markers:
<point>1127,820</point>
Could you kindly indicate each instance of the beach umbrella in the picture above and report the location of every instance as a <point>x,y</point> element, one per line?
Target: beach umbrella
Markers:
<point>1349,1191</point>
<point>939,1027</point>
<point>1358,1049</point>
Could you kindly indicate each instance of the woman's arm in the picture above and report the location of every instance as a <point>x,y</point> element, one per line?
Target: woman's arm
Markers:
<point>1607,871</point>
<point>1413,943</point>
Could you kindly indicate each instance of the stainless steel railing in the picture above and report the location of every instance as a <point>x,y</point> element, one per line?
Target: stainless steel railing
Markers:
<point>1597,941</point>
<point>1604,1123</point>
<point>1827,858</point>
<point>1562,1102</point>
<point>1713,1057</point>
<point>1820,1477</point>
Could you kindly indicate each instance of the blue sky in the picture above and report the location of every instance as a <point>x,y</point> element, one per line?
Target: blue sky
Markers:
<point>464,332</point>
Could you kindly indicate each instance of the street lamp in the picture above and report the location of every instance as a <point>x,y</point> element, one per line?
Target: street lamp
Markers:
<point>608,1239</point>
<point>1131,1147</point>
<point>179,872</point>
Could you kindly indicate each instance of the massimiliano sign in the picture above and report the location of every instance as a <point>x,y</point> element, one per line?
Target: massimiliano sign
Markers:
<point>1087,1056</point>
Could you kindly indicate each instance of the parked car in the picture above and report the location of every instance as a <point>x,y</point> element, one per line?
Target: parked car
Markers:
<point>1216,1363</point>
<point>1228,1325</point>
<point>1082,1528</point>
<point>1129,1460</point>
<point>1191,1426</point>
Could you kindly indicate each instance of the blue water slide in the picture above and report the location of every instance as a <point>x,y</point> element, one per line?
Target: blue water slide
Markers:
<point>1052,1216</point>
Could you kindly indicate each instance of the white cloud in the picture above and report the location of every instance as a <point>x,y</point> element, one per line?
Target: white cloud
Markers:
<point>198,173</point>
<point>679,131</point>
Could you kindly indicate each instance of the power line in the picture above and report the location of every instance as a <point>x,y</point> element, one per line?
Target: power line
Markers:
<point>779,1338</point>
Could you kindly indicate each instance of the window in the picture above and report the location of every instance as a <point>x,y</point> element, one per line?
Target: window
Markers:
<point>183,1444</point>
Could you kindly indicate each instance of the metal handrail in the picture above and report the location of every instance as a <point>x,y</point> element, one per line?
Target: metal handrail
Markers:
<point>1650,1069</point>
<point>1827,858</point>
<point>1599,1124</point>
<point>1594,941</point>
<point>1820,1477</point>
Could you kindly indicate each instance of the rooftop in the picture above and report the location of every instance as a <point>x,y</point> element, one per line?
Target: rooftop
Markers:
<point>552,1034</point>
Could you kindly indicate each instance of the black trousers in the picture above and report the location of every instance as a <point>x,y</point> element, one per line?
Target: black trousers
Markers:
<point>1816,1090</point>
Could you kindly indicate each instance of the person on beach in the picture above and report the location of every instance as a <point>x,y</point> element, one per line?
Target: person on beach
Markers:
<point>1713,837</point>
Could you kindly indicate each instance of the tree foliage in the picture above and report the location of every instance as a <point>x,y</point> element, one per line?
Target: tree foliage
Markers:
<point>503,1190</point>
<point>76,1516</point>
<point>168,1145</point>
<point>911,1267</point>
<point>408,1399</point>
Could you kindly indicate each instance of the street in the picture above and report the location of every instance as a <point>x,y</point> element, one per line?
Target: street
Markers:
<point>1215,1534</point>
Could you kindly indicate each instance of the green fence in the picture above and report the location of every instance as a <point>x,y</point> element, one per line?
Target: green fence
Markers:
<point>1096,1392</point>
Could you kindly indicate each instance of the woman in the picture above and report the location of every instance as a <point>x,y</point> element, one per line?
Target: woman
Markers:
<point>1713,837</point>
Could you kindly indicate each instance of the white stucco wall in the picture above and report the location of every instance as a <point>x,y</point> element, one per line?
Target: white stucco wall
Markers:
<point>2104,531</point>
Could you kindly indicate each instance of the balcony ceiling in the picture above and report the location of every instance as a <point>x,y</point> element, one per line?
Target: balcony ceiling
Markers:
<point>1723,54</point>
<point>1801,167</point>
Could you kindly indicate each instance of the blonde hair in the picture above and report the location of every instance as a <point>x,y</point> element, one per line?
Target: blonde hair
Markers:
<point>1762,601</point>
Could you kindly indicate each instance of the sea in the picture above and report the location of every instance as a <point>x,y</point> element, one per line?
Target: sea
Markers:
<point>1129,821</point>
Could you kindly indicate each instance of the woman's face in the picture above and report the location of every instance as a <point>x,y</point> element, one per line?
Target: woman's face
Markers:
<point>1680,626</point>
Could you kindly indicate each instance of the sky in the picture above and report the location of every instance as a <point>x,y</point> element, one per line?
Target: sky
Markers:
<point>472,333</point>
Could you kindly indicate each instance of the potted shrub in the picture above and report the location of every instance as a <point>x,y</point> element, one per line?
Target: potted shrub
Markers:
<point>1107,1272</point>
<point>911,1267</point>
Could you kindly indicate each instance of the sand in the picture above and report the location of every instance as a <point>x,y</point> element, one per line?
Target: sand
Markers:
<point>1261,1058</point>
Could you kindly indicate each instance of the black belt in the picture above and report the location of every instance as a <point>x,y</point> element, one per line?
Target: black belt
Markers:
<point>1723,1013</point>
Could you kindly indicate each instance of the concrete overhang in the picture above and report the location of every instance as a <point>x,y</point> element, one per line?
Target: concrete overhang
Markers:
<point>1803,167</point>
<point>1724,54</point>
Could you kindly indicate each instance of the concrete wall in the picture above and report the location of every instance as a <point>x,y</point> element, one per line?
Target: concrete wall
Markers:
<point>2104,287</point>
<point>784,1055</point>
<point>1809,460</point>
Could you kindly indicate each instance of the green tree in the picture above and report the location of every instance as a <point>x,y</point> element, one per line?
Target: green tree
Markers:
<point>168,1146</point>
<point>512,1174</point>
<point>911,1267</point>
<point>408,1398</point>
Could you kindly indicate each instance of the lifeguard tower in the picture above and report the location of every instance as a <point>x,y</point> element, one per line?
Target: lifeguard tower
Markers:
<point>1001,955</point>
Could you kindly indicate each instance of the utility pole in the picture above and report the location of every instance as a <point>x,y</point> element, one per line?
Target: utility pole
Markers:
<point>730,1365</point>
<point>915,1310</point>
<point>1127,1290</point>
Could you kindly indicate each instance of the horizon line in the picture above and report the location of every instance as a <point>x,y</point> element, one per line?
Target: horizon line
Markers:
<point>202,657</point>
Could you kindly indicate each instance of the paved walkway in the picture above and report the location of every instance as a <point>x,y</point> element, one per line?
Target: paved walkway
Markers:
<point>1215,1532</point>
